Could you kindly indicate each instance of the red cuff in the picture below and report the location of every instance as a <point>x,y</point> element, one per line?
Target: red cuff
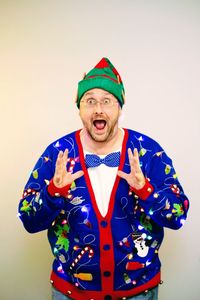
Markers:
<point>144,192</point>
<point>54,191</point>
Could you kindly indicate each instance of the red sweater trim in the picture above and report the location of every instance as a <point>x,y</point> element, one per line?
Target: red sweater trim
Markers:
<point>73,292</point>
<point>107,265</point>
<point>144,192</point>
<point>105,232</point>
<point>54,191</point>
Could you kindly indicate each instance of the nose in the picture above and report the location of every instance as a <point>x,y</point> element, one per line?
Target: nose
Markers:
<point>98,108</point>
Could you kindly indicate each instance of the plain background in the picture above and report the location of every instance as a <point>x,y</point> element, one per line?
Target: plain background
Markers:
<point>45,47</point>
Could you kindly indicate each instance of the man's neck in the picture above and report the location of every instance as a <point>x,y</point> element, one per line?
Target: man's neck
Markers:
<point>102,148</point>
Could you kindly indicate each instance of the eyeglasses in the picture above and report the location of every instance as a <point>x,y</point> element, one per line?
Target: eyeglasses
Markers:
<point>105,103</point>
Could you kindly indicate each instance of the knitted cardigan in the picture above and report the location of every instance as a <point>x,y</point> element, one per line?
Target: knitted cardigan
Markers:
<point>115,256</point>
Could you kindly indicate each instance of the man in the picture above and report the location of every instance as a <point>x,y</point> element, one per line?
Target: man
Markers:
<point>104,194</point>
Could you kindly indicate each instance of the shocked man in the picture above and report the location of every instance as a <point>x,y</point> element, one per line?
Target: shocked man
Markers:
<point>104,194</point>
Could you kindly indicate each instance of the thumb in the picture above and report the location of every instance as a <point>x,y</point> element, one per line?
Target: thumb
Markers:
<point>122,174</point>
<point>77,175</point>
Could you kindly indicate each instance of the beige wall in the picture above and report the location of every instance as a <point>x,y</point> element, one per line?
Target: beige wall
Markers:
<point>45,48</point>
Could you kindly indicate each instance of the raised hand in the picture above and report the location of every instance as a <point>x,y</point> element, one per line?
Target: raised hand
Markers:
<point>61,177</point>
<point>135,178</point>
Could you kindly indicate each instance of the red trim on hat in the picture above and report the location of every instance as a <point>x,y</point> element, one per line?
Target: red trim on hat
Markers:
<point>117,74</point>
<point>104,64</point>
<point>102,75</point>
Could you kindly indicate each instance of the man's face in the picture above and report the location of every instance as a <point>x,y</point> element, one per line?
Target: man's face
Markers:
<point>99,112</point>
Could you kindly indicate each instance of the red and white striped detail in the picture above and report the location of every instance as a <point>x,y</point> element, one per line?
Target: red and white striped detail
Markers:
<point>72,162</point>
<point>88,250</point>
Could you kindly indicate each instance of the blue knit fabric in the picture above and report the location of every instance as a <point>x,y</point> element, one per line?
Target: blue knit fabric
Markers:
<point>79,235</point>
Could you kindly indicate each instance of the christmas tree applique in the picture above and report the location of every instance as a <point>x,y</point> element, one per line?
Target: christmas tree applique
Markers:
<point>62,241</point>
<point>26,207</point>
<point>177,210</point>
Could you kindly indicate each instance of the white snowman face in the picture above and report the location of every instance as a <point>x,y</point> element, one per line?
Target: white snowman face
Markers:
<point>142,249</point>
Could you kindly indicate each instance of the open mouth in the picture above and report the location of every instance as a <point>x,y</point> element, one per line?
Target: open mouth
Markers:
<point>99,124</point>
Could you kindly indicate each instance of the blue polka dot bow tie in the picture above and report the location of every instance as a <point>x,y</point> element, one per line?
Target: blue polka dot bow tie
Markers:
<point>110,160</point>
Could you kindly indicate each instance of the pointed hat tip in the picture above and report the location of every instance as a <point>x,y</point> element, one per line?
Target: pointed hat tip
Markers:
<point>103,63</point>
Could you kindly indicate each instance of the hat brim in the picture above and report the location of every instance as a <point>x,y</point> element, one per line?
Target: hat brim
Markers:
<point>101,83</point>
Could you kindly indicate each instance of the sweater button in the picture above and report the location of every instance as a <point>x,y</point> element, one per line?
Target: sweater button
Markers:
<point>104,224</point>
<point>106,273</point>
<point>108,297</point>
<point>106,247</point>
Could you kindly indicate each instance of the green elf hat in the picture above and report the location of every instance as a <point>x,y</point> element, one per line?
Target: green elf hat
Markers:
<point>103,76</point>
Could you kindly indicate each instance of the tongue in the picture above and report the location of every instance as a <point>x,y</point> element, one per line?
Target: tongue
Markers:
<point>99,124</point>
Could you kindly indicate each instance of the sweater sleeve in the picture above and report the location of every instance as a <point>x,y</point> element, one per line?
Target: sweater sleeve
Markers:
<point>164,200</point>
<point>38,208</point>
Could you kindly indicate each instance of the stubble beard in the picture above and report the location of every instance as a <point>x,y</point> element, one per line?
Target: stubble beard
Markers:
<point>105,137</point>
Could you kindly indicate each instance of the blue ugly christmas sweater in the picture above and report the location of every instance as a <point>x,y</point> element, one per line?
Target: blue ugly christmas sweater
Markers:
<point>115,256</point>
